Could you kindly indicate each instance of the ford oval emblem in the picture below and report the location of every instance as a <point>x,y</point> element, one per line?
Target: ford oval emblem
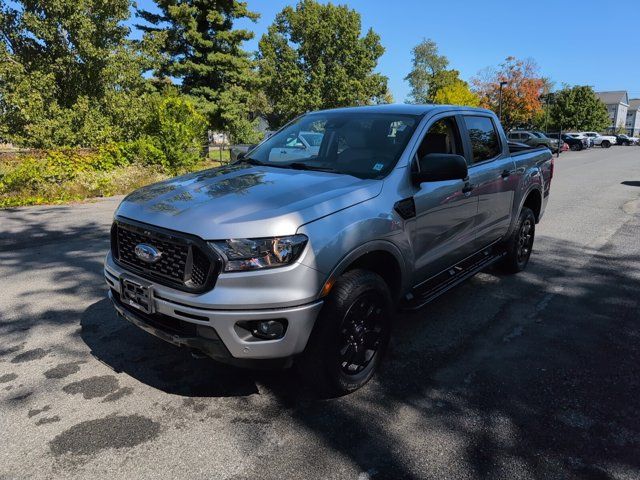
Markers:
<point>147,253</point>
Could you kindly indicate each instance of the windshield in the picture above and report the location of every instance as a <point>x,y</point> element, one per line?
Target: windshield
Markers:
<point>539,134</point>
<point>365,145</point>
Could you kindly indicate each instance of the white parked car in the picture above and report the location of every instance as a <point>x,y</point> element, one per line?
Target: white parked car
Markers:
<point>302,145</point>
<point>605,141</point>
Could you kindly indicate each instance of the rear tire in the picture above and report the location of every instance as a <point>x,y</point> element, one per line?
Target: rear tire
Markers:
<point>605,144</point>
<point>520,244</point>
<point>350,336</point>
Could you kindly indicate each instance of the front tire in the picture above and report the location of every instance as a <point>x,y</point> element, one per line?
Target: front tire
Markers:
<point>350,336</point>
<point>520,244</point>
<point>605,144</point>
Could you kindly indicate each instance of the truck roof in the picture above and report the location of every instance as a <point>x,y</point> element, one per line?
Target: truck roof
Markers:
<point>402,109</point>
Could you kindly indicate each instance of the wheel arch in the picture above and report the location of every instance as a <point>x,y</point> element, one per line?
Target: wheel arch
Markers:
<point>381,257</point>
<point>533,200</point>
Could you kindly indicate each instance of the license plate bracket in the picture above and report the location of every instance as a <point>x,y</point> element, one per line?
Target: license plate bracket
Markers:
<point>137,294</point>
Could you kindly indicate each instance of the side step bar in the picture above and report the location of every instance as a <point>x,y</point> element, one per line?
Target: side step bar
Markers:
<point>441,283</point>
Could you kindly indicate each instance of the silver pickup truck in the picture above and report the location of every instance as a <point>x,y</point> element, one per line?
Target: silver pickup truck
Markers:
<point>305,262</point>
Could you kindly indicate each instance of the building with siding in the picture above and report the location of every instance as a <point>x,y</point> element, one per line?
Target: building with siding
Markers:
<point>633,117</point>
<point>617,103</point>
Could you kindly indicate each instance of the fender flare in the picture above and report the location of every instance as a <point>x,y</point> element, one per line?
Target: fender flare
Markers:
<point>534,186</point>
<point>369,247</point>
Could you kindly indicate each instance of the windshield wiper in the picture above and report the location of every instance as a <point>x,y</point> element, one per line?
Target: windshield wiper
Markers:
<point>305,166</point>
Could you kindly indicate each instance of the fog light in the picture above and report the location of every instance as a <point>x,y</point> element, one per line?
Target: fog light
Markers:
<point>265,329</point>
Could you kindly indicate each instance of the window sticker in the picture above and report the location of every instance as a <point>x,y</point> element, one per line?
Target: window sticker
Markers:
<point>378,166</point>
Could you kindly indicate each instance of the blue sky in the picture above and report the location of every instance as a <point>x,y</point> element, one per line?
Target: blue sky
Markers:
<point>574,42</point>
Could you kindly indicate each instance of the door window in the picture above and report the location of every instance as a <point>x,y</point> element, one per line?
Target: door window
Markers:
<point>442,137</point>
<point>484,138</point>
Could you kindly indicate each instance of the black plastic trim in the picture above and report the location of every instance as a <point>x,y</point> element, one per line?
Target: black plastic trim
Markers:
<point>173,236</point>
<point>406,208</point>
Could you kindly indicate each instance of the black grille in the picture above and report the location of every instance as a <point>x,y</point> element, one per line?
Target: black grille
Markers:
<point>183,262</point>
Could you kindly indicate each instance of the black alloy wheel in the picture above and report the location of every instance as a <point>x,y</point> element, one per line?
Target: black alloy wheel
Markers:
<point>525,241</point>
<point>519,245</point>
<point>361,333</point>
<point>350,335</point>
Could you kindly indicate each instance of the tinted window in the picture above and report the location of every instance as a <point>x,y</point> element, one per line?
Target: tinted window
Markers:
<point>484,138</point>
<point>443,137</point>
<point>514,136</point>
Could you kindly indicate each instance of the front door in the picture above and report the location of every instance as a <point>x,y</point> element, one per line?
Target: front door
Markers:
<point>445,211</point>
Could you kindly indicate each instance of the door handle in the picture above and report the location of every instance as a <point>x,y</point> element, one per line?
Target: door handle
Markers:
<point>505,174</point>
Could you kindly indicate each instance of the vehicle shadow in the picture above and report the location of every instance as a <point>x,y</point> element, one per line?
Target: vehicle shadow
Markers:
<point>126,348</point>
<point>631,183</point>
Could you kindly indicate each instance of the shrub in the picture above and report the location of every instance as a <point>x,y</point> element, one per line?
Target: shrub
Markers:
<point>175,133</point>
<point>170,142</point>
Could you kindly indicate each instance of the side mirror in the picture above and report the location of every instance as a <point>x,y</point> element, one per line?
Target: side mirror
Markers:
<point>437,167</point>
<point>241,155</point>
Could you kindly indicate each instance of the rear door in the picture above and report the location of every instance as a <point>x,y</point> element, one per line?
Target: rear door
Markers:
<point>445,211</point>
<point>492,176</point>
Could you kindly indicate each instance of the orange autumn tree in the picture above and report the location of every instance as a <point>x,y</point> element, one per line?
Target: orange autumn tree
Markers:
<point>520,95</point>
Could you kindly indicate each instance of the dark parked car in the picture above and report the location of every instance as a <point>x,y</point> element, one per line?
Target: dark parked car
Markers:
<point>533,139</point>
<point>626,140</point>
<point>575,144</point>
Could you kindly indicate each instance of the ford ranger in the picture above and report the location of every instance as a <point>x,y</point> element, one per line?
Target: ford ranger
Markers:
<point>301,254</point>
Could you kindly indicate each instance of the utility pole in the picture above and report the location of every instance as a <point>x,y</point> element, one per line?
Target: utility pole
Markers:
<point>502,84</point>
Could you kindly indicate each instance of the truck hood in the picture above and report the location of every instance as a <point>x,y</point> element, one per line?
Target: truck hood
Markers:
<point>242,201</point>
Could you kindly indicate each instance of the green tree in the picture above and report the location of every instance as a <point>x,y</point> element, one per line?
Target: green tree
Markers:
<point>430,74</point>
<point>67,72</point>
<point>199,46</point>
<point>578,108</point>
<point>457,93</point>
<point>313,56</point>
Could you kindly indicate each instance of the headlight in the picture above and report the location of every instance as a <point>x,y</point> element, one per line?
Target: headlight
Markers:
<point>255,253</point>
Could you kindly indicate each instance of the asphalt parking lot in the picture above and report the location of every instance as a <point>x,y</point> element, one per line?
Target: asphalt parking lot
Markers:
<point>529,376</point>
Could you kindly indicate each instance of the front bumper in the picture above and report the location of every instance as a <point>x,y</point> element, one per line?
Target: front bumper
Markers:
<point>215,331</point>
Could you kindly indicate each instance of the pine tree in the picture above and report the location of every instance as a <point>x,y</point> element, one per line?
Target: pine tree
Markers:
<point>200,47</point>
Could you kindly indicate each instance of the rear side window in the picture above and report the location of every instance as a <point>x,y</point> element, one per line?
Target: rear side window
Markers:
<point>484,138</point>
